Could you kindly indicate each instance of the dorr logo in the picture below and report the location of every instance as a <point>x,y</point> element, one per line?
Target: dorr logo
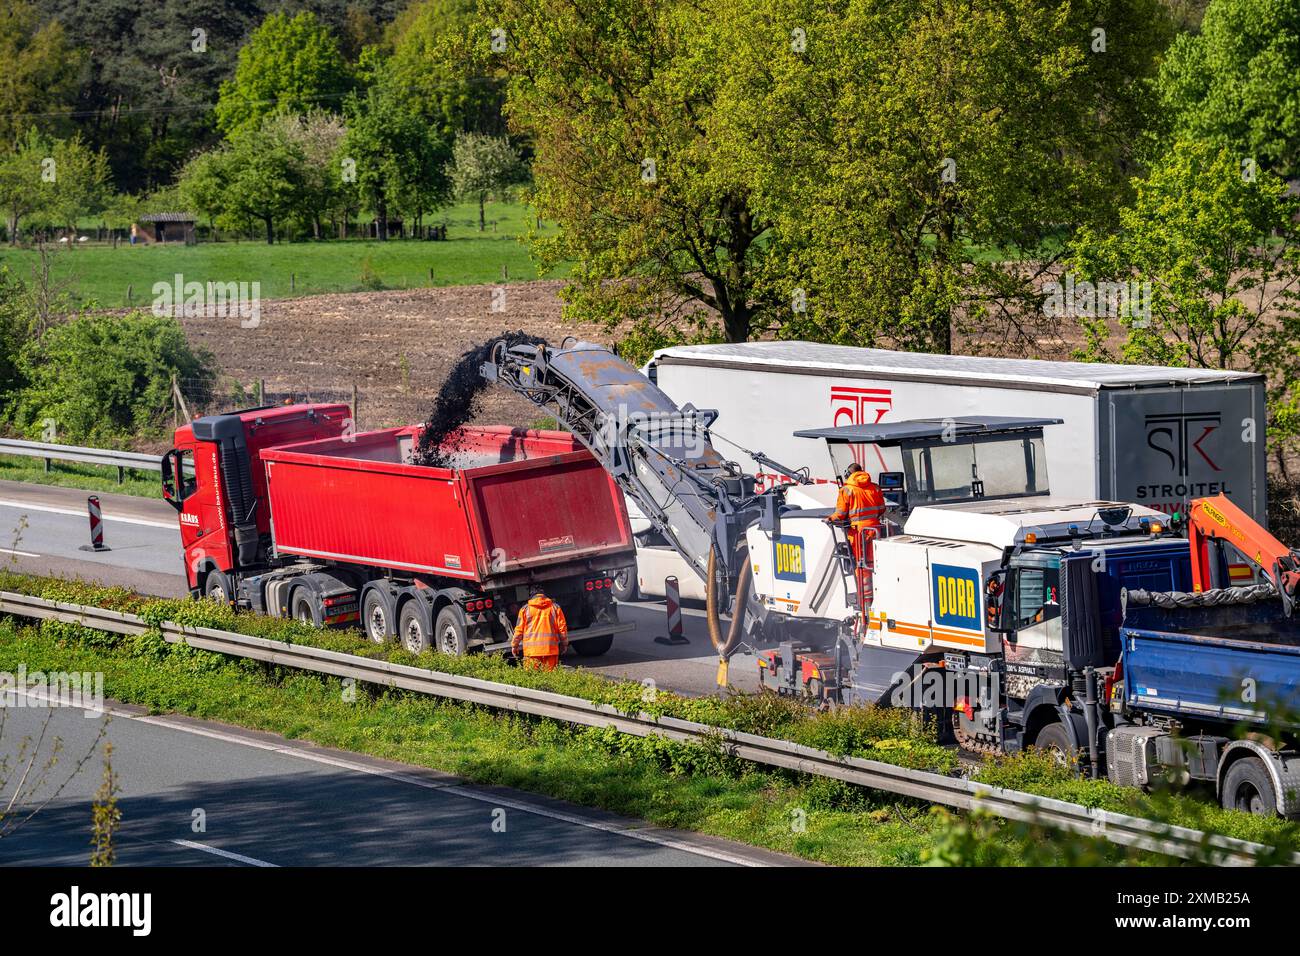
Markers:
<point>787,558</point>
<point>1178,435</point>
<point>956,597</point>
<point>131,910</point>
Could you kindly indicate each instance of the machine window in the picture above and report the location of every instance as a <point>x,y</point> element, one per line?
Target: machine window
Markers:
<point>1037,596</point>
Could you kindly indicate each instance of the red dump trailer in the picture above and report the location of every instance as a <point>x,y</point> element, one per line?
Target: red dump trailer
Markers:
<point>286,511</point>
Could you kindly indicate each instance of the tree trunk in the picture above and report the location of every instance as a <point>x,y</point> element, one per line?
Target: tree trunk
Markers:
<point>270,230</point>
<point>382,216</point>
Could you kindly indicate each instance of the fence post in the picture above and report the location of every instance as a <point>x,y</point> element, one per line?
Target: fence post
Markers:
<point>356,427</point>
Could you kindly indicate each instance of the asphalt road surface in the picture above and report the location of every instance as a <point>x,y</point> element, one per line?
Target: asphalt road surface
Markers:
<point>195,793</point>
<point>42,529</point>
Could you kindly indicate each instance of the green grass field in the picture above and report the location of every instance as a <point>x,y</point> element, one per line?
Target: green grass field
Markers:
<point>121,277</point>
<point>142,484</point>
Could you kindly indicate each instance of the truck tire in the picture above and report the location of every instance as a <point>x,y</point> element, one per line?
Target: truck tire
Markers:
<point>305,608</point>
<point>413,627</point>
<point>1248,787</point>
<point>625,589</point>
<point>593,646</point>
<point>450,632</point>
<point>1055,739</point>
<point>217,588</point>
<point>377,617</point>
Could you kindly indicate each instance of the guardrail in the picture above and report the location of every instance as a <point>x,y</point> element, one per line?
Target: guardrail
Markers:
<point>1118,828</point>
<point>50,451</point>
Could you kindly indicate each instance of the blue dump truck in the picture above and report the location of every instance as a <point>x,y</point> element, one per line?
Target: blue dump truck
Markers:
<point>1206,690</point>
<point>1203,685</point>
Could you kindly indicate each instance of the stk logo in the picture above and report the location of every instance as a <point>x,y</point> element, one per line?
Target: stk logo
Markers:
<point>860,406</point>
<point>1173,434</point>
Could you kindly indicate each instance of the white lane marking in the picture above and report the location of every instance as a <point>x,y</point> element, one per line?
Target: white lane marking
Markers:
<point>451,785</point>
<point>226,853</point>
<point>24,506</point>
<point>21,554</point>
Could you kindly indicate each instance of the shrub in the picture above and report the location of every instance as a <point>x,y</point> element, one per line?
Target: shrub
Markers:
<point>108,378</point>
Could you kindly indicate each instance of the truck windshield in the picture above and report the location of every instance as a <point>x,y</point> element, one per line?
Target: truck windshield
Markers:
<point>1000,468</point>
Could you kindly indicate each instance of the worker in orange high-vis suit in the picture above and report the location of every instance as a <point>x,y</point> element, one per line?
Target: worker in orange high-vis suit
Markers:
<point>541,631</point>
<point>862,504</point>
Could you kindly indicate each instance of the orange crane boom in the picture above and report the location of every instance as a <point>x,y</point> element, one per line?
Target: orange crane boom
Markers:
<point>1218,520</point>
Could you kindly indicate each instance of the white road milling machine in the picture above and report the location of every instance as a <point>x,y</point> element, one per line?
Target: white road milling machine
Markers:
<point>968,498</point>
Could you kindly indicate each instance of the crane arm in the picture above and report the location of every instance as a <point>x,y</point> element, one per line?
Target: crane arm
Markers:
<point>1218,519</point>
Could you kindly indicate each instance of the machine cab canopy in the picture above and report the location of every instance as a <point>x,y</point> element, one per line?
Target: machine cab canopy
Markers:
<point>951,459</point>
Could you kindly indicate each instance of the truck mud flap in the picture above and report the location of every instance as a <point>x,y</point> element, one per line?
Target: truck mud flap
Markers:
<point>598,630</point>
<point>878,671</point>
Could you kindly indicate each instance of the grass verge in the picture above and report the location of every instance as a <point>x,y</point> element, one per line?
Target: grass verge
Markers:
<point>87,477</point>
<point>672,784</point>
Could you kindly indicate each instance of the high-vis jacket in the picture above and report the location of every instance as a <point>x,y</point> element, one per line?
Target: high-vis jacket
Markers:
<point>541,629</point>
<point>860,502</point>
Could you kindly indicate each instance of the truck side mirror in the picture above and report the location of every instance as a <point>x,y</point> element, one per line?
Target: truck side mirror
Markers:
<point>171,468</point>
<point>995,603</point>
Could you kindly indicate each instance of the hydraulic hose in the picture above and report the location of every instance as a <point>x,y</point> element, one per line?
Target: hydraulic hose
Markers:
<point>726,646</point>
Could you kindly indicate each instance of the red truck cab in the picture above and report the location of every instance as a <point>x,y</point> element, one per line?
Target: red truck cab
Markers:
<point>288,511</point>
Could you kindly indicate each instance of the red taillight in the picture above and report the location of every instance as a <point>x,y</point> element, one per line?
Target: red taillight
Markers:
<point>609,582</point>
<point>591,585</point>
<point>599,585</point>
<point>487,603</point>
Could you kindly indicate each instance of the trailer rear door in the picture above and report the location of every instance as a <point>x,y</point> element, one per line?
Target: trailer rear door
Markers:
<point>564,509</point>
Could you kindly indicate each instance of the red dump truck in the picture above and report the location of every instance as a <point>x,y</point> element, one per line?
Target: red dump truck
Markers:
<point>285,511</point>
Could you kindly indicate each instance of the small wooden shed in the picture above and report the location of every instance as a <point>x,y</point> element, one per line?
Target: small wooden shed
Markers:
<point>166,227</point>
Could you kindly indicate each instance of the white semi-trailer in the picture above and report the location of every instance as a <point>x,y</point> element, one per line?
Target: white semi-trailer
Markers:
<point>1157,437</point>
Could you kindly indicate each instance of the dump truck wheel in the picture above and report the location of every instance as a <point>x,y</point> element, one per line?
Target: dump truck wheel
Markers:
<point>450,630</point>
<point>1247,787</point>
<point>304,608</point>
<point>625,589</point>
<point>412,629</point>
<point>377,616</point>
<point>593,646</point>
<point>1055,739</point>
<point>217,587</point>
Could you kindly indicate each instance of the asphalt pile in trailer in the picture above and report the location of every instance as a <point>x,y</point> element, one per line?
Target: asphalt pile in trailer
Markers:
<point>457,400</point>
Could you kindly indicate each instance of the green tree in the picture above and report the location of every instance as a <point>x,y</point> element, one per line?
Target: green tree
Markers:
<point>481,166</point>
<point>782,162</point>
<point>399,161</point>
<point>203,184</point>
<point>290,64</point>
<point>21,191</point>
<point>76,184</point>
<point>1220,251</point>
<point>419,65</point>
<point>317,136</point>
<point>107,378</point>
<point>1235,82</point>
<point>39,68</point>
<point>266,175</point>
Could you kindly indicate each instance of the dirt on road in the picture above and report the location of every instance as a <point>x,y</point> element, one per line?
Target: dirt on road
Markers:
<point>396,346</point>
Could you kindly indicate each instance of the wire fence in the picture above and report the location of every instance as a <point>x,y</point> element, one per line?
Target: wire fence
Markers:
<point>194,398</point>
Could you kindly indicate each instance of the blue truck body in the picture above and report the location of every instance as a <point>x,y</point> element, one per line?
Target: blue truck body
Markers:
<point>1230,664</point>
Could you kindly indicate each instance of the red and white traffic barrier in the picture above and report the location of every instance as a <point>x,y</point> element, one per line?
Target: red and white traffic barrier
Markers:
<point>96,526</point>
<point>673,601</point>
